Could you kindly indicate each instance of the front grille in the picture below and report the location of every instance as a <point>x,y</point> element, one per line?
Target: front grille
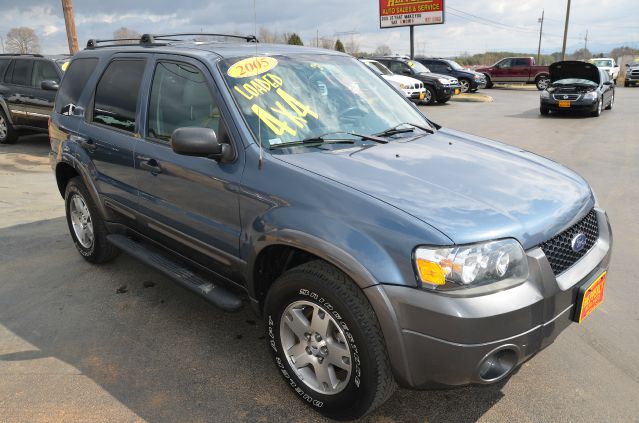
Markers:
<point>635,72</point>
<point>558,249</point>
<point>571,97</point>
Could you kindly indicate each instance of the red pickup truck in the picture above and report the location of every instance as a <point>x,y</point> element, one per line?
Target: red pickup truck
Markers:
<point>516,70</point>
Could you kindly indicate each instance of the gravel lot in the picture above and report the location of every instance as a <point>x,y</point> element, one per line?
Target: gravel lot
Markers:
<point>121,343</point>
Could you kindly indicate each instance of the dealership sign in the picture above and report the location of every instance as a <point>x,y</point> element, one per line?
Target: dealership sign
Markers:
<point>394,13</point>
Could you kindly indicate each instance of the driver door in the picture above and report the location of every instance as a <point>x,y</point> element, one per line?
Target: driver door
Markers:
<point>189,204</point>
<point>502,71</point>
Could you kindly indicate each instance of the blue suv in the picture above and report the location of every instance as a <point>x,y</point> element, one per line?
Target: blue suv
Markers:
<point>380,248</point>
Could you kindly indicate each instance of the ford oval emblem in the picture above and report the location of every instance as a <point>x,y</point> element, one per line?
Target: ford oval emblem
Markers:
<point>578,242</point>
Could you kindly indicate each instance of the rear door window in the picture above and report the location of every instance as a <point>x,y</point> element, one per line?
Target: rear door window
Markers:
<point>4,64</point>
<point>116,95</point>
<point>75,78</point>
<point>180,97</point>
<point>22,72</point>
<point>520,62</point>
<point>43,71</point>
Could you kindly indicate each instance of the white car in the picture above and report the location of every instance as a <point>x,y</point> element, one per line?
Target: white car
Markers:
<point>411,87</point>
<point>607,65</point>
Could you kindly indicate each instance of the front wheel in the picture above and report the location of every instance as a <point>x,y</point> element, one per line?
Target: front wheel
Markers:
<point>542,82</point>
<point>544,110</point>
<point>489,83</point>
<point>326,341</point>
<point>598,109</point>
<point>465,85</point>
<point>429,96</point>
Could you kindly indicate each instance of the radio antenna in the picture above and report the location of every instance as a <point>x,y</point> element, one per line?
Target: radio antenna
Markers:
<point>259,118</point>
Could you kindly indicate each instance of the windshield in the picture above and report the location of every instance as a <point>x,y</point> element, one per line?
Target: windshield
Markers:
<point>290,98</point>
<point>602,63</point>
<point>417,67</point>
<point>453,64</point>
<point>575,81</point>
<point>379,68</point>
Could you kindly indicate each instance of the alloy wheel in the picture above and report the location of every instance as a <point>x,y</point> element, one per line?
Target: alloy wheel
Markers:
<point>81,221</point>
<point>315,347</point>
<point>465,85</point>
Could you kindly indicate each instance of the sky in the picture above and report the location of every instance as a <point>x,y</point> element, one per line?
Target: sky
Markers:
<point>471,26</point>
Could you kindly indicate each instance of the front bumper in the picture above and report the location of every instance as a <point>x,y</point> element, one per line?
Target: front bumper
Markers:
<point>575,106</point>
<point>438,340</point>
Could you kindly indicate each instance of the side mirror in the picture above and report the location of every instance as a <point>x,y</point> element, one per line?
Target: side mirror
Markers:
<point>627,65</point>
<point>608,83</point>
<point>49,85</point>
<point>200,142</point>
<point>406,72</point>
<point>449,69</point>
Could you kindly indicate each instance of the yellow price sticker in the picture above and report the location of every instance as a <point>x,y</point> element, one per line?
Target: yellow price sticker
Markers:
<point>252,66</point>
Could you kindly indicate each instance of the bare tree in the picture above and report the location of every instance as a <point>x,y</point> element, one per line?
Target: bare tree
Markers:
<point>22,40</point>
<point>352,46</point>
<point>265,35</point>
<point>383,50</point>
<point>327,43</point>
<point>124,33</point>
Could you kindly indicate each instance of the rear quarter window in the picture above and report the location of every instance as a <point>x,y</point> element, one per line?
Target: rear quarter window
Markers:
<point>75,78</point>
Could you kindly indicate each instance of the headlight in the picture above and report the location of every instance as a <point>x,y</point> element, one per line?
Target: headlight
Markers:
<point>590,95</point>
<point>476,77</point>
<point>545,94</point>
<point>402,86</point>
<point>449,268</point>
<point>443,81</point>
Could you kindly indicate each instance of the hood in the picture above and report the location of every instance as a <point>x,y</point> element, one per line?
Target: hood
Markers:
<point>439,75</point>
<point>401,79</point>
<point>574,69</point>
<point>469,188</point>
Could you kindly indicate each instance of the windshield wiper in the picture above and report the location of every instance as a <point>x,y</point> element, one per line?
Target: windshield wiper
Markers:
<point>397,130</point>
<point>322,139</point>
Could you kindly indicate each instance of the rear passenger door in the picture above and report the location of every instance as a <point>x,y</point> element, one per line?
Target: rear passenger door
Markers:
<point>18,80</point>
<point>191,204</point>
<point>111,129</point>
<point>38,103</point>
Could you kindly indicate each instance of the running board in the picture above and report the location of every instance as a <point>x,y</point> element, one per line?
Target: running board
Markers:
<point>216,295</point>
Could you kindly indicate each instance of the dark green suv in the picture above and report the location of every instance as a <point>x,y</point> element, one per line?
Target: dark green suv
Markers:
<point>28,85</point>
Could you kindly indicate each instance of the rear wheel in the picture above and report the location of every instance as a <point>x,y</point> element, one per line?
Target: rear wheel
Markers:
<point>542,82</point>
<point>8,135</point>
<point>326,341</point>
<point>85,224</point>
<point>612,100</point>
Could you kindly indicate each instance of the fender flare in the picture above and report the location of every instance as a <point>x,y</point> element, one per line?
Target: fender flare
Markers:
<point>84,173</point>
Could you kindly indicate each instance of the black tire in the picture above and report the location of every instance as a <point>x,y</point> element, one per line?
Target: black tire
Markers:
<point>489,83</point>
<point>429,95</point>
<point>465,84</point>
<point>544,110</point>
<point>626,84</point>
<point>370,382</point>
<point>8,134</point>
<point>99,250</point>
<point>541,82</point>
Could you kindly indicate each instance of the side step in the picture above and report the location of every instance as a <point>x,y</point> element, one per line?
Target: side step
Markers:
<point>217,295</point>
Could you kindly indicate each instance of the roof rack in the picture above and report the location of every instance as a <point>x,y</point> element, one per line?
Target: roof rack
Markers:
<point>22,54</point>
<point>149,40</point>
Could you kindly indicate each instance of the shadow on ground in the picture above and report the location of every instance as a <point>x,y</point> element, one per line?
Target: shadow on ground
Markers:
<point>161,351</point>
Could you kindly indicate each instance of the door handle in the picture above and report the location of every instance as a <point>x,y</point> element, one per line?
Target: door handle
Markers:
<point>151,165</point>
<point>86,143</point>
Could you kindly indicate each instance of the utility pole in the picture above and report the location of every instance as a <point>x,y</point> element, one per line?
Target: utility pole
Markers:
<point>412,42</point>
<point>586,45</point>
<point>69,20</point>
<point>541,30</point>
<point>563,49</point>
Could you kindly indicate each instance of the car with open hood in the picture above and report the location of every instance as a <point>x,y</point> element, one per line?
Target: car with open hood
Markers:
<point>379,248</point>
<point>579,87</point>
